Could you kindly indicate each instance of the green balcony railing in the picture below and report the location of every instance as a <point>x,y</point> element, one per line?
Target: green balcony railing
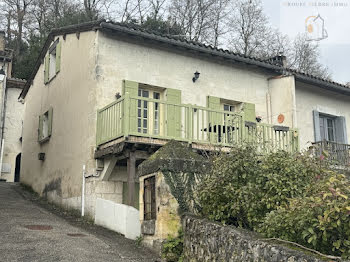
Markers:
<point>152,118</point>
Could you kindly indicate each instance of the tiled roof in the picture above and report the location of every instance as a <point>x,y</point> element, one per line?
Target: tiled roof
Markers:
<point>183,44</point>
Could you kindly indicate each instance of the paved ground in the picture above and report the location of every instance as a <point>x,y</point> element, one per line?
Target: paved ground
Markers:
<point>19,209</point>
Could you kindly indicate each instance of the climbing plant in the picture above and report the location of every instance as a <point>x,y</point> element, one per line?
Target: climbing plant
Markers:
<point>183,187</point>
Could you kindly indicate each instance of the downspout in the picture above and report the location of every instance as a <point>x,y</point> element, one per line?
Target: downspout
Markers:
<point>83,194</point>
<point>3,108</point>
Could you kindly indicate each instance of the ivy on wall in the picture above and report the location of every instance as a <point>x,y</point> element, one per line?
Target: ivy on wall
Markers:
<point>183,188</point>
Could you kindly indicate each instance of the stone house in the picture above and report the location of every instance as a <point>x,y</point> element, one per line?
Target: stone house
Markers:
<point>11,115</point>
<point>105,96</point>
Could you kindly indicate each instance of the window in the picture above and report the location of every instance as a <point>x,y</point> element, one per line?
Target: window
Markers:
<point>149,198</point>
<point>327,128</point>
<point>45,126</point>
<point>229,108</point>
<point>156,95</point>
<point>148,114</point>
<point>52,66</point>
<point>52,61</point>
<point>330,128</point>
<point>142,112</point>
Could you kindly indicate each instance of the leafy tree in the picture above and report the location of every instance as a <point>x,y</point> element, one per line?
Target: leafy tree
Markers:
<point>252,35</point>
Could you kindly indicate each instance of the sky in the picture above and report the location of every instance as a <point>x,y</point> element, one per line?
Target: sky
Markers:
<point>329,21</point>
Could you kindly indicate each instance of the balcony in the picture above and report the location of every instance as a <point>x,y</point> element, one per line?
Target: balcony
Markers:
<point>338,154</point>
<point>145,120</point>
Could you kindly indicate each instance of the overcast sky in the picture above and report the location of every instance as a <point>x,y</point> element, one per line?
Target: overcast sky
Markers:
<point>290,17</point>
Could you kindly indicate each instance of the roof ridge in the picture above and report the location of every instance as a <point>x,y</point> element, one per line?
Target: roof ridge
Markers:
<point>136,30</point>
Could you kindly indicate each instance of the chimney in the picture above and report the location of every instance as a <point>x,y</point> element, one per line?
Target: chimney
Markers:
<point>279,60</point>
<point>2,41</point>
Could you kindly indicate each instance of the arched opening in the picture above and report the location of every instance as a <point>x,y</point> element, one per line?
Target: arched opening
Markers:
<point>18,167</point>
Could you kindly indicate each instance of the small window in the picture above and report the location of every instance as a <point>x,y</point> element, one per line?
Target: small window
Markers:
<point>45,126</point>
<point>229,108</point>
<point>52,61</point>
<point>149,198</point>
<point>52,66</point>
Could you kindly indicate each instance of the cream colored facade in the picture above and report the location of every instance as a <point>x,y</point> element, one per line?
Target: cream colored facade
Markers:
<point>309,98</point>
<point>12,134</point>
<point>72,95</point>
<point>93,66</point>
<point>11,114</point>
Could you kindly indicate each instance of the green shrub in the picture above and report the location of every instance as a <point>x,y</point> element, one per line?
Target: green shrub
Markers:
<point>173,248</point>
<point>243,187</point>
<point>319,220</point>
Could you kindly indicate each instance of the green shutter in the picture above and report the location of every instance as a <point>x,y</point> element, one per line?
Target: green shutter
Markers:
<point>40,128</point>
<point>131,87</point>
<point>317,130</point>
<point>249,112</point>
<point>47,66</point>
<point>58,57</point>
<point>173,123</point>
<point>213,102</point>
<point>50,121</point>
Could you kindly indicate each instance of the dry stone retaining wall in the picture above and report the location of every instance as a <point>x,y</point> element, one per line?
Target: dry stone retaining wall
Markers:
<point>209,241</point>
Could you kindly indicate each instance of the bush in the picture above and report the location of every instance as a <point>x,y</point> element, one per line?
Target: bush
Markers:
<point>319,220</point>
<point>243,187</point>
<point>173,248</point>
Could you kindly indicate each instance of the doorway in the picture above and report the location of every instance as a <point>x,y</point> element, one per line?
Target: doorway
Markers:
<point>18,167</point>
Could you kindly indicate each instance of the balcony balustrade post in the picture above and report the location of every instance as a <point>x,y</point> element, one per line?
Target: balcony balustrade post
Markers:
<point>126,118</point>
<point>190,123</point>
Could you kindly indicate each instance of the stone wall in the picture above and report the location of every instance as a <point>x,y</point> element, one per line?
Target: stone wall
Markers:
<point>209,241</point>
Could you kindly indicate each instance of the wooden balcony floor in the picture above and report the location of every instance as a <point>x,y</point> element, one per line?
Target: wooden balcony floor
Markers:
<point>117,146</point>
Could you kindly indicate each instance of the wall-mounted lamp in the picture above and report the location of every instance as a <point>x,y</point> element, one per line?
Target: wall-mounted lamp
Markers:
<point>196,76</point>
<point>117,95</point>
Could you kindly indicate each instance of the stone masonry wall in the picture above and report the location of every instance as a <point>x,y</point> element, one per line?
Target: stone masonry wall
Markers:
<point>209,241</point>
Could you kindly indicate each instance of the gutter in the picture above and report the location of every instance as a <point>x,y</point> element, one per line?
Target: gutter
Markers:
<point>323,84</point>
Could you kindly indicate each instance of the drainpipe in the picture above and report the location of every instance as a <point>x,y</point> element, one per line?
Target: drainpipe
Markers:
<point>83,194</point>
<point>2,119</point>
<point>2,154</point>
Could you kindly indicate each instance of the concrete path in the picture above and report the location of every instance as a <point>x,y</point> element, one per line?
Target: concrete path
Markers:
<point>65,239</point>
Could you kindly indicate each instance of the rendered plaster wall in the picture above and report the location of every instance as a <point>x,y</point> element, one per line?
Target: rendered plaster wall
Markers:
<point>119,60</point>
<point>309,98</point>
<point>12,132</point>
<point>282,100</point>
<point>72,95</point>
<point>167,222</point>
<point>118,217</point>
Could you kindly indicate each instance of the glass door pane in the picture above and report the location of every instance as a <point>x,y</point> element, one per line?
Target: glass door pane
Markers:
<point>142,112</point>
<point>330,129</point>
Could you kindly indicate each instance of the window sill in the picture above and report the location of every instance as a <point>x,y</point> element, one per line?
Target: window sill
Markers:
<point>44,140</point>
<point>52,78</point>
